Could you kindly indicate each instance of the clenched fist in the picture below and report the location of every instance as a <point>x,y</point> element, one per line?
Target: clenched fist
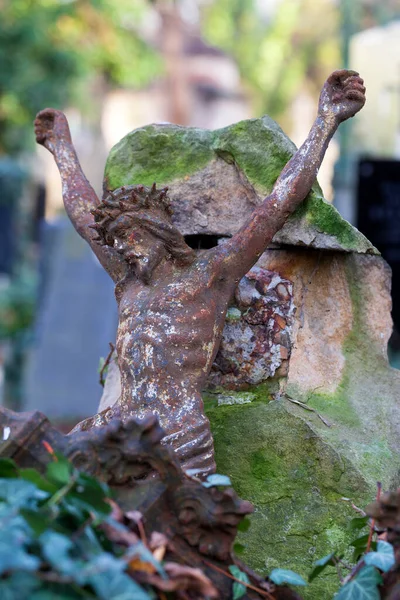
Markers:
<point>51,128</point>
<point>342,96</point>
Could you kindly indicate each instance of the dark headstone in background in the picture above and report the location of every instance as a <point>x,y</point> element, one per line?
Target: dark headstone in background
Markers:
<point>77,319</point>
<point>378,216</point>
<point>12,178</point>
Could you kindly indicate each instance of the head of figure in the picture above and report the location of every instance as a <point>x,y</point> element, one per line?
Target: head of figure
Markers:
<point>136,221</point>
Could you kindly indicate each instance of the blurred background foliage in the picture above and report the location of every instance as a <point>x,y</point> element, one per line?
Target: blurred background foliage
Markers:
<point>50,48</point>
<point>276,56</point>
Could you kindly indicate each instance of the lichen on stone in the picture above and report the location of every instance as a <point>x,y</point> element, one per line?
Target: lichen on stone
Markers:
<point>257,149</point>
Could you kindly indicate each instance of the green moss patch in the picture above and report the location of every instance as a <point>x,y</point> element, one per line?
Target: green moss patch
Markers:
<point>295,480</point>
<point>257,147</point>
<point>159,153</point>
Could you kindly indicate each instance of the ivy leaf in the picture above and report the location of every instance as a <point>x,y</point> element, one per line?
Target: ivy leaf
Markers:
<point>362,587</point>
<point>34,477</point>
<point>360,546</point>
<point>358,523</point>
<point>320,565</point>
<point>383,559</point>
<point>360,542</point>
<point>91,494</point>
<point>105,574</point>
<point>286,576</point>
<point>12,553</point>
<point>238,589</point>
<point>118,586</point>
<point>8,468</point>
<point>59,472</point>
<point>18,585</point>
<point>37,521</point>
<point>215,480</point>
<point>102,563</point>
<point>53,591</point>
<point>55,549</point>
<point>19,492</point>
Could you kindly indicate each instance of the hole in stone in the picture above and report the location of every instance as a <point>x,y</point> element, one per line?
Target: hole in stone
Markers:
<point>203,241</point>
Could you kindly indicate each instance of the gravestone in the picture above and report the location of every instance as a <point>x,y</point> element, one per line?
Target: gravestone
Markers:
<point>302,402</point>
<point>11,183</point>
<point>378,215</point>
<point>75,323</point>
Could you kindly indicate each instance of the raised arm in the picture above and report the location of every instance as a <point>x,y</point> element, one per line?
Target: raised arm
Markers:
<point>52,132</point>
<point>342,96</point>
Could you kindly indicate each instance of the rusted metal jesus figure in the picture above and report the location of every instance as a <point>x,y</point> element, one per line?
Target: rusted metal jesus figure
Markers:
<point>172,303</point>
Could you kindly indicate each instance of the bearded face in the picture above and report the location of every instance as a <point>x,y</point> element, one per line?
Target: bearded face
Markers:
<point>139,247</point>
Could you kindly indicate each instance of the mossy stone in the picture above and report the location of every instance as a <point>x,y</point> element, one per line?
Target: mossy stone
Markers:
<point>296,481</point>
<point>257,148</point>
<point>298,469</point>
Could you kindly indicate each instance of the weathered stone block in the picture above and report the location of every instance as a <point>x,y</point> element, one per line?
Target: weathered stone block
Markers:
<point>302,402</point>
<point>216,178</point>
<point>295,465</point>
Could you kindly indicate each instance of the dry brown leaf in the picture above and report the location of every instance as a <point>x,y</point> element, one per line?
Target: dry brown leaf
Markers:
<point>114,534</point>
<point>190,578</point>
<point>158,545</point>
<point>137,564</point>
<point>182,579</point>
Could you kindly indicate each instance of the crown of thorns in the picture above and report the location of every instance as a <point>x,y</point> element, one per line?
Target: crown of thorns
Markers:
<point>127,200</point>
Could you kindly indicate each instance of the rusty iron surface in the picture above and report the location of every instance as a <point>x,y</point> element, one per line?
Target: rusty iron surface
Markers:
<point>172,303</point>
<point>257,337</point>
<point>200,522</point>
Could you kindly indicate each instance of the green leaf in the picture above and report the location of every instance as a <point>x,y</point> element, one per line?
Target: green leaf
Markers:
<point>362,587</point>
<point>19,492</point>
<point>18,585</point>
<point>36,520</point>
<point>358,523</point>
<point>102,563</point>
<point>55,549</point>
<point>244,524</point>
<point>320,565</point>
<point>360,546</point>
<point>118,586</point>
<point>89,542</point>
<point>8,468</point>
<point>282,576</point>
<point>140,550</point>
<point>360,542</point>
<point>383,559</point>
<point>12,553</point>
<point>238,589</point>
<point>105,574</point>
<point>34,477</point>
<point>91,494</point>
<point>59,472</point>
<point>239,548</point>
<point>216,480</point>
<point>59,592</point>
